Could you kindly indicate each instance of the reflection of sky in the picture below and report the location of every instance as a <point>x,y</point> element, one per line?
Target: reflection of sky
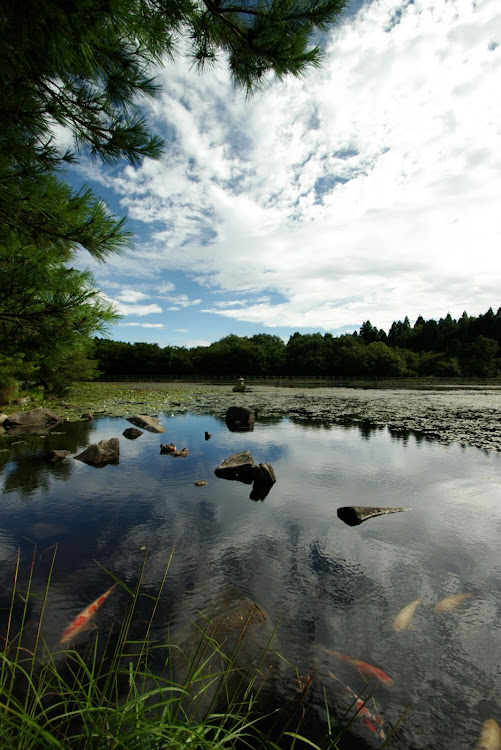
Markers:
<point>335,586</point>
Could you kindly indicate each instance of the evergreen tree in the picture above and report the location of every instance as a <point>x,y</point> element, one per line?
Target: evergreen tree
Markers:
<point>85,67</point>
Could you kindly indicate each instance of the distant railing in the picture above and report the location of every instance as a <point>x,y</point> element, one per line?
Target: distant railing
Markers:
<point>312,381</point>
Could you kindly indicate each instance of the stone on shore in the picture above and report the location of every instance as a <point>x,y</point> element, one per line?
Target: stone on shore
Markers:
<point>33,417</point>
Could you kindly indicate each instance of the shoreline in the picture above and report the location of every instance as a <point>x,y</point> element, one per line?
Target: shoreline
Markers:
<point>464,415</point>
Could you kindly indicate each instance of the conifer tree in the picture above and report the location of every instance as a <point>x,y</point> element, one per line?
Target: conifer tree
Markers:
<point>84,67</point>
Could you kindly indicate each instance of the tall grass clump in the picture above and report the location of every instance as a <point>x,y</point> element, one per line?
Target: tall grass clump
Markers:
<point>135,693</point>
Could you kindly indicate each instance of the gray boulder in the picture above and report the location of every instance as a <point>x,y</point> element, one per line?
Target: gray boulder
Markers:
<point>3,417</point>
<point>31,418</point>
<point>240,419</point>
<point>239,466</point>
<point>132,433</point>
<point>152,424</point>
<point>99,454</point>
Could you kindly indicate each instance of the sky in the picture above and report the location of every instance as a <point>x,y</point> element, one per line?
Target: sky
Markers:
<point>370,189</point>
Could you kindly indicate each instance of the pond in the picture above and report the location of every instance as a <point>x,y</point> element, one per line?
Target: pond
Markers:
<point>331,587</point>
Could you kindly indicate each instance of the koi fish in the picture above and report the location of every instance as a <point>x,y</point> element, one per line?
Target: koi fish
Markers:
<point>490,736</point>
<point>369,719</point>
<point>450,602</point>
<point>82,620</point>
<point>403,619</point>
<point>367,669</point>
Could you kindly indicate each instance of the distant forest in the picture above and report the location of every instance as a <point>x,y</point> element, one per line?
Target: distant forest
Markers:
<point>468,347</point>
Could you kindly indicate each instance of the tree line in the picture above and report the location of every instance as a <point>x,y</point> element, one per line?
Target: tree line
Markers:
<point>467,347</point>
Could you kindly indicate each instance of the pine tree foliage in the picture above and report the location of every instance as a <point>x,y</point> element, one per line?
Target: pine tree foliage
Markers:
<point>79,71</point>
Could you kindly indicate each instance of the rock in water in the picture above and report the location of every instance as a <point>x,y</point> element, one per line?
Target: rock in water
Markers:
<point>264,479</point>
<point>356,514</point>
<point>239,466</point>
<point>55,456</point>
<point>99,454</point>
<point>152,424</point>
<point>132,433</point>
<point>240,419</point>
<point>231,629</point>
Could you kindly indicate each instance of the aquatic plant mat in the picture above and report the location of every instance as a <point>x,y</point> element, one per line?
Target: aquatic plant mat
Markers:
<point>112,690</point>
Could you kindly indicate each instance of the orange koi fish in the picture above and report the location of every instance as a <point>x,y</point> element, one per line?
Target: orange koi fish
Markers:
<point>450,602</point>
<point>490,736</point>
<point>367,669</point>
<point>82,620</point>
<point>369,719</point>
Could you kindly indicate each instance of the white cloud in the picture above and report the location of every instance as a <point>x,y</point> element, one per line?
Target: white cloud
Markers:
<point>144,325</point>
<point>131,296</point>
<point>165,286</point>
<point>124,309</point>
<point>370,189</point>
<point>180,300</point>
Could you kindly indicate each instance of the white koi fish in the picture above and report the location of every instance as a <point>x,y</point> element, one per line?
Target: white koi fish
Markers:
<point>451,602</point>
<point>490,736</point>
<point>403,619</point>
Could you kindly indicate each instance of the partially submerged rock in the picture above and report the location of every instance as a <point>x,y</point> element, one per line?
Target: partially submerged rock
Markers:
<point>152,424</point>
<point>99,454</point>
<point>132,433</point>
<point>87,417</point>
<point>240,419</point>
<point>264,479</point>
<point>55,456</point>
<point>241,467</point>
<point>238,466</point>
<point>234,630</point>
<point>33,418</point>
<point>356,514</point>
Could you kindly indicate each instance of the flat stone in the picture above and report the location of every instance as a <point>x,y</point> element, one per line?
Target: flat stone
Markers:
<point>152,424</point>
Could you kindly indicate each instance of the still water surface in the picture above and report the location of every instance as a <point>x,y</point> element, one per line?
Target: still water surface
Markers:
<point>333,586</point>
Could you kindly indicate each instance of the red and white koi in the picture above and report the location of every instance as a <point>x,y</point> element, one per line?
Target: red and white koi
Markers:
<point>368,718</point>
<point>81,621</point>
<point>368,669</point>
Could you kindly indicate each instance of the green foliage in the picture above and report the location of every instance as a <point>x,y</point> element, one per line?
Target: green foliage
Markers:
<point>84,69</point>
<point>120,691</point>
<point>447,348</point>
